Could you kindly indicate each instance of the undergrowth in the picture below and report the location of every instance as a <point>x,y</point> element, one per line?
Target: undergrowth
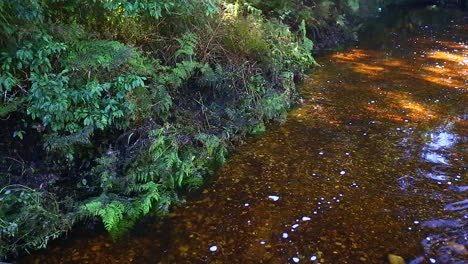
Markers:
<point>117,109</point>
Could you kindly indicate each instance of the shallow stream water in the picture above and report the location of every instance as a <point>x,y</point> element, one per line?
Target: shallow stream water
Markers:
<point>372,163</point>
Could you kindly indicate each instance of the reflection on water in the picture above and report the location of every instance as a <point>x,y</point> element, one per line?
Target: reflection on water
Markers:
<point>373,163</point>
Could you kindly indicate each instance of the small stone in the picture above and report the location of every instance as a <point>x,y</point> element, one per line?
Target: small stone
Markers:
<point>184,248</point>
<point>274,197</point>
<point>95,248</point>
<point>394,259</point>
<point>213,248</point>
<point>458,248</point>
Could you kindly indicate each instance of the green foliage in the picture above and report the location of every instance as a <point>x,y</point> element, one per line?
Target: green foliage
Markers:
<point>214,151</point>
<point>354,5</point>
<point>187,43</point>
<point>96,104</point>
<point>180,73</point>
<point>63,143</point>
<point>165,167</point>
<point>33,55</point>
<point>23,9</point>
<point>89,55</point>
<point>246,37</point>
<point>10,107</point>
<point>136,101</point>
<point>159,8</point>
<point>119,213</point>
<point>29,219</point>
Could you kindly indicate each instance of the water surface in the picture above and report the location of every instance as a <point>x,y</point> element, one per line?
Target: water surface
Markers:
<point>372,163</point>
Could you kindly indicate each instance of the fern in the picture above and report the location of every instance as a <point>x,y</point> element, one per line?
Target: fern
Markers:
<point>307,46</point>
<point>70,67</point>
<point>92,54</point>
<point>119,213</point>
<point>156,8</point>
<point>151,196</point>
<point>354,5</point>
<point>109,210</point>
<point>180,73</point>
<point>12,106</point>
<point>111,215</point>
<point>25,211</point>
<point>57,142</point>
<point>214,147</point>
<point>187,43</point>
<point>162,99</point>
<point>150,102</point>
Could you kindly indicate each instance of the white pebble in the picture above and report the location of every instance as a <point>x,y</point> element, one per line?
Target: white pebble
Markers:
<point>213,248</point>
<point>274,197</point>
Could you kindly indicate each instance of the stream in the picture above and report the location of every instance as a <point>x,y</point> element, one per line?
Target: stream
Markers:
<point>372,163</point>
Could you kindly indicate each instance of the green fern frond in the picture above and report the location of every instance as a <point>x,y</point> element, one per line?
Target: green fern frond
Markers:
<point>92,54</point>
<point>181,73</point>
<point>151,196</point>
<point>187,43</point>
<point>57,142</point>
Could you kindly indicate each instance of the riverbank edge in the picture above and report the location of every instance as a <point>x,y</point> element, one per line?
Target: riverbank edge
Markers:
<point>220,148</point>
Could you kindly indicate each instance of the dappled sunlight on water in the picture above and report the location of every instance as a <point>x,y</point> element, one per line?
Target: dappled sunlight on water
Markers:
<point>372,163</point>
<point>450,57</point>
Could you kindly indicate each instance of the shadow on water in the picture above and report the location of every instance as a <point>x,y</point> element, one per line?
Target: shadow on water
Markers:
<point>372,163</point>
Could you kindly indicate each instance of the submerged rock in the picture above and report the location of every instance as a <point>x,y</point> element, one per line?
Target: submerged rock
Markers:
<point>458,248</point>
<point>395,259</point>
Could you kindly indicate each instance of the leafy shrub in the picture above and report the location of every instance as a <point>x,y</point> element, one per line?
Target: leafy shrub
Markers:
<point>63,108</point>
<point>136,103</point>
<point>245,37</point>
<point>29,219</point>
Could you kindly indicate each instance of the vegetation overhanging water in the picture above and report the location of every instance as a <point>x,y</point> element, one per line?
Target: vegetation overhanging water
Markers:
<point>114,110</point>
<point>371,164</point>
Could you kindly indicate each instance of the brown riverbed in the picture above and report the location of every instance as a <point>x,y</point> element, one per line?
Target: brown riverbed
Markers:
<point>372,163</point>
